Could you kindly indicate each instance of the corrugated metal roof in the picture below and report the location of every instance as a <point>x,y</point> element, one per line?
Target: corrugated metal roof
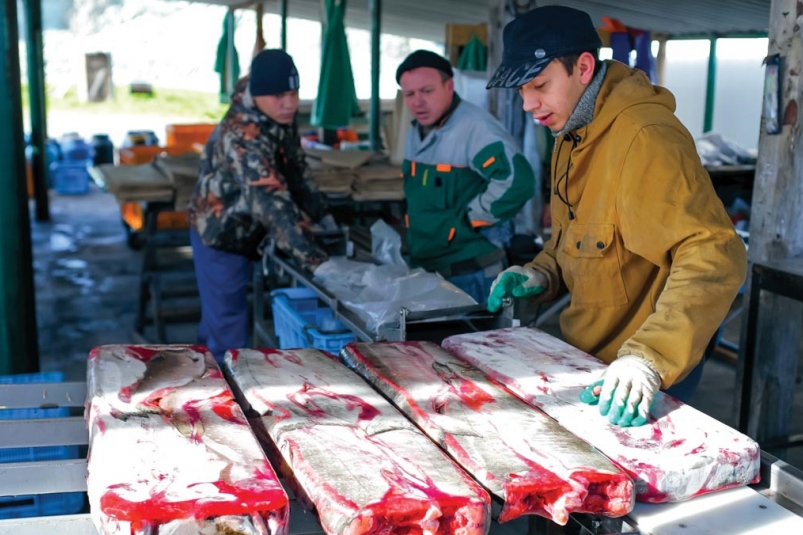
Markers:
<point>426,18</point>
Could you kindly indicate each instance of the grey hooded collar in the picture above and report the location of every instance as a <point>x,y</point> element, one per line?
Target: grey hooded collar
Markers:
<point>584,112</point>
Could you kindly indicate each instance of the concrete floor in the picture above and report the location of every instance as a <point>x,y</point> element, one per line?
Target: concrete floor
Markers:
<point>87,288</point>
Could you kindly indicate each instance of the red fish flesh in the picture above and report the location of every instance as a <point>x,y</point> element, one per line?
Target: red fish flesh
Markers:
<point>680,453</point>
<point>516,452</point>
<point>363,465</point>
<point>171,453</point>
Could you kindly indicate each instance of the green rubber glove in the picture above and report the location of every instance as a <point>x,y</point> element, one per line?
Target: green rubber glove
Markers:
<point>516,281</point>
<point>626,393</point>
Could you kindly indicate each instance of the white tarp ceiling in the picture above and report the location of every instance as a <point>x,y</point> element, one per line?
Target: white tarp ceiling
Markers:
<point>426,18</point>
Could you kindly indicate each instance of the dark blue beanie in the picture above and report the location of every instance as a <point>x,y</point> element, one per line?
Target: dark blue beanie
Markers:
<point>272,72</point>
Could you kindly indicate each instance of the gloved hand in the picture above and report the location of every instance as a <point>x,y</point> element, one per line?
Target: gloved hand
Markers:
<point>626,393</point>
<point>516,281</point>
<point>328,223</point>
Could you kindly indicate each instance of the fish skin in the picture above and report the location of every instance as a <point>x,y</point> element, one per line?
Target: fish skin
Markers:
<point>516,452</point>
<point>680,453</point>
<point>364,466</point>
<point>168,442</point>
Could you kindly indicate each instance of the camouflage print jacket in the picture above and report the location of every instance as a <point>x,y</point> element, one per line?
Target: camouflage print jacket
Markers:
<point>254,186</point>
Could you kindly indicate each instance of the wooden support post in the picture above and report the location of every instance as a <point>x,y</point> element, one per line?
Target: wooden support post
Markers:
<point>660,61</point>
<point>259,44</point>
<point>776,233</point>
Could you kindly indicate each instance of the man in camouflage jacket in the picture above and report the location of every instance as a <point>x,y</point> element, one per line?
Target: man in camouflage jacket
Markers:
<point>254,187</point>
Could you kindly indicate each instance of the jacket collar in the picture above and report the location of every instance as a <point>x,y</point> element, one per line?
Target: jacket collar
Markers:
<point>243,104</point>
<point>583,113</point>
<point>424,131</point>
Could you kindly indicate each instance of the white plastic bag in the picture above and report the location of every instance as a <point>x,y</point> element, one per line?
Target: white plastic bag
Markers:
<point>386,244</point>
<point>377,293</point>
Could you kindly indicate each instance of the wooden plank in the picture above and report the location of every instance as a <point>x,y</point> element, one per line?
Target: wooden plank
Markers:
<point>43,477</point>
<point>42,395</point>
<point>69,431</point>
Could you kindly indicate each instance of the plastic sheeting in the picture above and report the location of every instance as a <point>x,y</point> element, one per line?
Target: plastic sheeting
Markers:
<point>377,293</point>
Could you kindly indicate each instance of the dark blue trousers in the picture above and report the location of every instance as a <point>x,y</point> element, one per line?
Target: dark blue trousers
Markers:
<point>222,282</point>
<point>684,390</point>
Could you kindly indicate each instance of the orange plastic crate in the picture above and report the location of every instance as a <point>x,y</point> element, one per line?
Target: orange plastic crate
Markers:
<point>132,212</point>
<point>188,134</point>
<point>141,154</point>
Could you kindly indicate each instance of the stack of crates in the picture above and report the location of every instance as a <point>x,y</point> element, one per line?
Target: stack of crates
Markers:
<point>71,174</point>
<point>132,213</point>
<point>45,504</point>
<point>300,321</point>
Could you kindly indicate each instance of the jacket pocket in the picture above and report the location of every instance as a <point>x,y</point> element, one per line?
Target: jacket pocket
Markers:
<point>425,187</point>
<point>590,263</point>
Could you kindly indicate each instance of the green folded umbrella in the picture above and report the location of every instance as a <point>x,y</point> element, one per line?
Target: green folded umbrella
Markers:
<point>220,60</point>
<point>474,56</point>
<point>336,102</point>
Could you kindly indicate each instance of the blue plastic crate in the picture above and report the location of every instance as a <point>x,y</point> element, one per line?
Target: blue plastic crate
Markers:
<point>70,177</point>
<point>299,321</point>
<point>47,504</point>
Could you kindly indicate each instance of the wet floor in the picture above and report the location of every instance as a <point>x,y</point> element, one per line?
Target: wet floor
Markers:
<point>86,280</point>
<point>87,288</point>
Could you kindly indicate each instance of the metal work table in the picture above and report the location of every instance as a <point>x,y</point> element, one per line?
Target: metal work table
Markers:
<point>781,277</point>
<point>772,507</point>
<point>167,253</point>
<point>430,325</point>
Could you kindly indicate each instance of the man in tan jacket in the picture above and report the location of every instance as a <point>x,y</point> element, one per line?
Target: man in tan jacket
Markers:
<point>639,236</point>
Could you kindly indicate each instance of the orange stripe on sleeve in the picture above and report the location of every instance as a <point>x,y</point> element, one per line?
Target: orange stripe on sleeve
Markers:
<point>477,224</point>
<point>489,161</point>
<point>452,232</point>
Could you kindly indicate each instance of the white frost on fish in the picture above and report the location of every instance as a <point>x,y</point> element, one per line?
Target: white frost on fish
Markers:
<point>364,467</point>
<point>680,453</point>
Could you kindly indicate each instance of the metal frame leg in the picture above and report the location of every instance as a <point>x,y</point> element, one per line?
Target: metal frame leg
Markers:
<point>750,352</point>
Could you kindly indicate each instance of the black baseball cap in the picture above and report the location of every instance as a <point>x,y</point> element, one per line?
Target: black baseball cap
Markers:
<point>272,72</point>
<point>533,39</point>
<point>424,58</point>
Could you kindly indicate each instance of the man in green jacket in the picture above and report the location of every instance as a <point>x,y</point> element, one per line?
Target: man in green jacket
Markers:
<point>464,179</point>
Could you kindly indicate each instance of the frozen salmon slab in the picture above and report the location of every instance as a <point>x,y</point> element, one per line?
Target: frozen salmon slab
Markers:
<point>364,467</point>
<point>170,451</point>
<point>680,453</point>
<point>518,453</point>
